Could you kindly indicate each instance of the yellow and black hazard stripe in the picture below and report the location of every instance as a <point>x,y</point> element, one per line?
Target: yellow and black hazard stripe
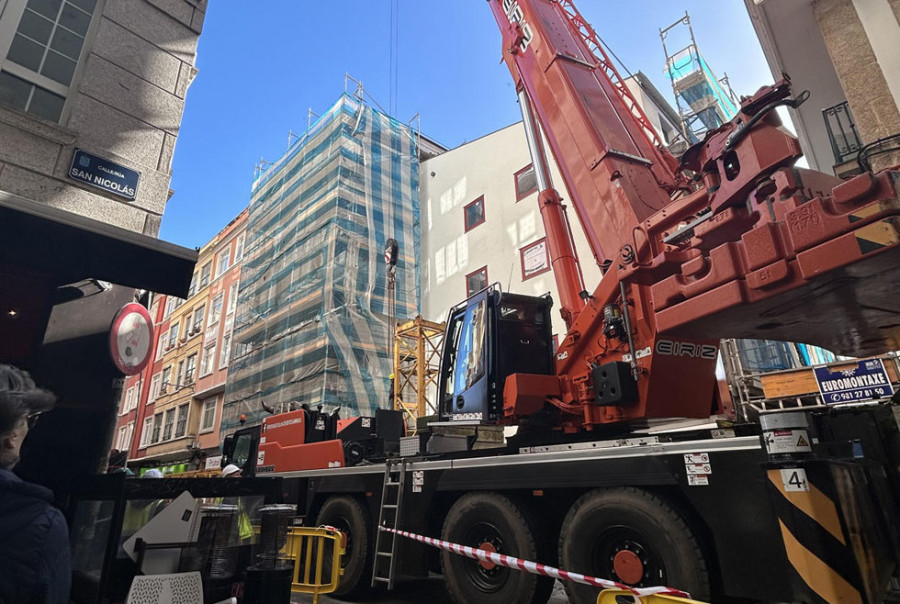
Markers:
<point>873,237</point>
<point>823,554</point>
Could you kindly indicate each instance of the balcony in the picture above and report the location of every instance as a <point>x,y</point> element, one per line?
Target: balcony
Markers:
<point>844,138</point>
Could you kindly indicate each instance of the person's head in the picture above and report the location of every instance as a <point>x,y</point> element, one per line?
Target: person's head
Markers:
<point>20,404</point>
<point>230,471</point>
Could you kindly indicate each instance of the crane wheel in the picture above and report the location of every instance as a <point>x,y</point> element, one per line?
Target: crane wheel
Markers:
<point>634,537</point>
<point>348,515</point>
<point>493,522</point>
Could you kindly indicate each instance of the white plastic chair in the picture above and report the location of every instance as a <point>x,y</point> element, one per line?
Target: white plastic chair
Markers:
<point>179,588</point>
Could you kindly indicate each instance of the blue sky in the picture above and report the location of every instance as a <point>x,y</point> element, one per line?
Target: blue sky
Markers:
<point>261,70</point>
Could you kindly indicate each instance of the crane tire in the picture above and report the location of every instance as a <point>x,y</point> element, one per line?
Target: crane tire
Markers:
<point>634,537</point>
<point>352,518</point>
<point>477,519</point>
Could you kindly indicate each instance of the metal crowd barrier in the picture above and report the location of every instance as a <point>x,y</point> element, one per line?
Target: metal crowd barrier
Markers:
<point>311,546</point>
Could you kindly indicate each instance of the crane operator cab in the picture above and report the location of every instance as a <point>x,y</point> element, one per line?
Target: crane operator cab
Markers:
<point>489,337</point>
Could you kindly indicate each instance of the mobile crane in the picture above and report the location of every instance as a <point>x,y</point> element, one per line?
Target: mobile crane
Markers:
<point>731,240</point>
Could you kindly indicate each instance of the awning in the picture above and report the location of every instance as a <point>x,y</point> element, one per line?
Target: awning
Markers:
<point>71,248</point>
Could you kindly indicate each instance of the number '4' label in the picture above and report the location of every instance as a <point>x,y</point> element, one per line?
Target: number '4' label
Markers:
<point>794,479</point>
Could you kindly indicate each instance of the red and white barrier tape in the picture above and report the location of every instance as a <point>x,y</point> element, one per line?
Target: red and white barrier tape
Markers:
<point>534,567</point>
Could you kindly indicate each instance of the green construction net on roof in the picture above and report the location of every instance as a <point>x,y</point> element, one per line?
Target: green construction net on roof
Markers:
<point>313,321</point>
<point>696,85</point>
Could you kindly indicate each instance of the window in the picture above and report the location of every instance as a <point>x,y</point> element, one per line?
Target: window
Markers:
<point>208,363</point>
<point>42,53</point>
<point>193,288</point>
<point>215,311</point>
<point>181,426</point>
<point>161,347</point>
<point>222,261</point>
<point>154,387</point>
<point>468,333</point>
<point>166,380</point>
<point>232,297</point>
<point>173,336</point>
<point>157,424</point>
<point>197,323</point>
<point>477,281</point>
<point>126,401</point>
<point>131,398</point>
<point>204,274</point>
<point>168,424</point>
<point>189,369</point>
<point>171,304</point>
<point>526,182</point>
<point>180,375</point>
<point>208,419</point>
<point>535,259</point>
<point>474,213</point>
<point>226,351</point>
<point>120,441</point>
<point>239,248</point>
<point>147,432</point>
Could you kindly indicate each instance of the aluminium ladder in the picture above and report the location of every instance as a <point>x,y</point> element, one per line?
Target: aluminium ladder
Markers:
<point>388,517</point>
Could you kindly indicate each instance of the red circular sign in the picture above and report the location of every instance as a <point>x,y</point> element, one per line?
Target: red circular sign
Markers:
<point>131,338</point>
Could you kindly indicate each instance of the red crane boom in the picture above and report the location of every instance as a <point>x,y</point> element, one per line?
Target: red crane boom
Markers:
<point>731,242</point>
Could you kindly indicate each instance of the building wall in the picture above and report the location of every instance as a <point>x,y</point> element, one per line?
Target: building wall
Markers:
<point>863,41</point>
<point>124,101</point>
<point>315,302</point>
<point>793,44</point>
<point>486,168</point>
<point>217,336</point>
<point>841,51</point>
<point>208,337</point>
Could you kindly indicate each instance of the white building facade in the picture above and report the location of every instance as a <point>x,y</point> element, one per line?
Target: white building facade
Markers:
<point>481,224</point>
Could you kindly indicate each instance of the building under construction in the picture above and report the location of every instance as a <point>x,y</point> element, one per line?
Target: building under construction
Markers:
<point>704,102</point>
<point>314,321</point>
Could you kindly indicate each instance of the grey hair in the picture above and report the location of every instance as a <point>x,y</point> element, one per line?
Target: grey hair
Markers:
<point>20,397</point>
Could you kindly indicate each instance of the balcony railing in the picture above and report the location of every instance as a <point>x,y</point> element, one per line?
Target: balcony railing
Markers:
<point>845,143</point>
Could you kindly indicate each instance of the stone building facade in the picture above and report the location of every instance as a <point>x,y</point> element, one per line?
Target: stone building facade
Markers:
<point>847,54</point>
<point>91,100</point>
<point>105,76</point>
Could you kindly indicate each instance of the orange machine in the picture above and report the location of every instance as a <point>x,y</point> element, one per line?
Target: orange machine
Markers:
<point>284,444</point>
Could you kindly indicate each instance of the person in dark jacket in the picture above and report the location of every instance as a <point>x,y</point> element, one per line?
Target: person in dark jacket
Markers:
<point>34,538</point>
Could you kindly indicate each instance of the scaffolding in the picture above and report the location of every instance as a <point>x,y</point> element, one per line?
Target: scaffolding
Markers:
<point>313,320</point>
<point>417,363</point>
<point>704,102</point>
<point>752,366</point>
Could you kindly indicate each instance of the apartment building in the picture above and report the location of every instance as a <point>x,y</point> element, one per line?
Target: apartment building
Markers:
<point>170,414</point>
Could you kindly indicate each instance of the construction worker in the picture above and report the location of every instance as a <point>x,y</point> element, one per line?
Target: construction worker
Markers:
<point>245,527</point>
<point>391,392</point>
